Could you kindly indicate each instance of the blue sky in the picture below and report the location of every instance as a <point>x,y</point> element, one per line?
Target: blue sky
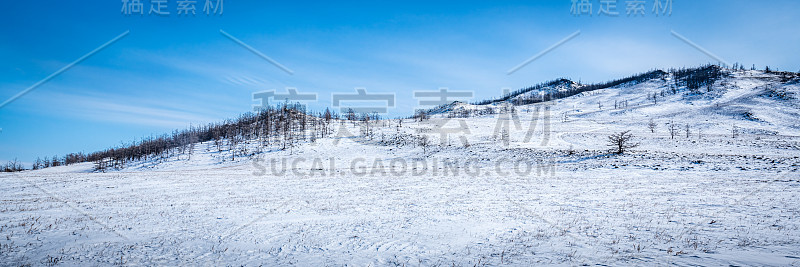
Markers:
<point>176,70</point>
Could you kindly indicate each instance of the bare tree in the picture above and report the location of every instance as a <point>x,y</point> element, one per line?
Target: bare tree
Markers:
<point>366,130</point>
<point>673,129</point>
<point>621,142</point>
<point>13,166</point>
<point>55,162</point>
<point>505,138</point>
<point>420,115</point>
<point>327,116</point>
<point>688,132</point>
<point>652,126</point>
<point>37,164</point>
<point>424,142</point>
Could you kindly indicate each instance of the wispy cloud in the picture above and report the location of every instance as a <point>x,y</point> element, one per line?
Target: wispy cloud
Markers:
<point>127,110</point>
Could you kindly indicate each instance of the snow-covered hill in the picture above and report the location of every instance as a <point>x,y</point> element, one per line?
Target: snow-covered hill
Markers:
<point>749,100</point>
<point>496,183</point>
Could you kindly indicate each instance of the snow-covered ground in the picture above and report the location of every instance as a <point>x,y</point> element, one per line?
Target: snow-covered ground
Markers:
<point>551,194</point>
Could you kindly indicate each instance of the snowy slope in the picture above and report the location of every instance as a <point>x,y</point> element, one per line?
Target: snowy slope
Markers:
<point>548,193</point>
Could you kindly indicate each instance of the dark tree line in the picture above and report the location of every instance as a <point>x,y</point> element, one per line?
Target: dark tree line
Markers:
<point>514,98</point>
<point>280,127</point>
<point>692,78</point>
<point>506,97</point>
<point>695,78</point>
<point>12,166</point>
